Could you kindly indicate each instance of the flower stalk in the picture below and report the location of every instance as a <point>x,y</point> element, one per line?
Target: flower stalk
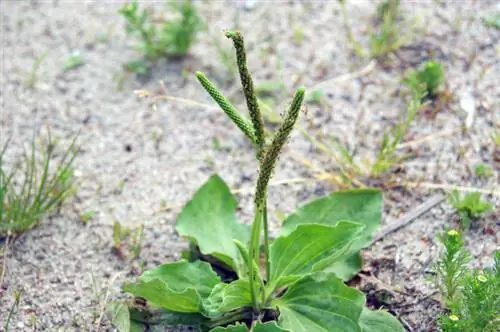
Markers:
<point>248,89</point>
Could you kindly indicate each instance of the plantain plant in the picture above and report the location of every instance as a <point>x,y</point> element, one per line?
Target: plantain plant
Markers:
<point>228,281</point>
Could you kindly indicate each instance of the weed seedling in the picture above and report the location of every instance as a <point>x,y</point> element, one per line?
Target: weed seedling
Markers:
<point>316,97</point>
<point>15,305</point>
<point>451,266</point>
<point>483,170</point>
<point>160,37</point>
<point>74,60</point>
<point>387,36</point>
<point>492,20</point>
<point>33,75</point>
<point>127,241</point>
<point>430,76</point>
<point>298,35</point>
<point>235,279</point>
<point>87,216</point>
<point>472,297</point>
<point>469,207</point>
<point>387,155</point>
<point>26,197</point>
<point>495,136</point>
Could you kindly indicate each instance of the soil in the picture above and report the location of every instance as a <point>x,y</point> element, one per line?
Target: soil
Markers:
<point>139,166</point>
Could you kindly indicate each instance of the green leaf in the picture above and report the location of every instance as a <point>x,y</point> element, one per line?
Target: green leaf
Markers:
<point>492,20</point>
<point>319,303</point>
<point>379,321</point>
<point>363,206</point>
<point>119,315</point>
<point>178,286</point>
<point>163,317</point>
<point>228,297</point>
<point>209,220</point>
<point>267,327</point>
<point>259,327</point>
<point>238,327</point>
<point>309,248</point>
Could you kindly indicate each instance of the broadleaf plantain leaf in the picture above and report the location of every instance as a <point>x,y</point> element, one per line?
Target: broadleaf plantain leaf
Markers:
<point>320,303</point>
<point>362,206</point>
<point>179,286</point>
<point>307,249</point>
<point>379,321</point>
<point>209,220</point>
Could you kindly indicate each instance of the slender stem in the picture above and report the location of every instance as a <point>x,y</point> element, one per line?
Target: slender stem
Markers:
<point>266,242</point>
<point>254,256</point>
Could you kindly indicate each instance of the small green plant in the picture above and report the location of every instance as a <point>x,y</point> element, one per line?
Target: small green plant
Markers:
<point>230,282</point>
<point>388,7</point>
<point>495,136</point>
<point>430,76</point>
<point>469,207</point>
<point>26,197</point>
<point>316,97</point>
<point>127,242</point>
<point>492,20</point>
<point>471,297</point>
<point>74,60</point>
<point>387,36</point>
<point>161,38</point>
<point>483,170</point>
<point>15,305</point>
<point>298,35</point>
<point>387,155</point>
<point>451,266</point>
<point>33,75</point>
<point>87,216</point>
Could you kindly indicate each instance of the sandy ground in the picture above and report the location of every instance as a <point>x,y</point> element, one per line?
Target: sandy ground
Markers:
<point>140,166</point>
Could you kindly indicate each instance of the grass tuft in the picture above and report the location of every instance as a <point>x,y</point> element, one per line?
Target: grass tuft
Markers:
<point>35,187</point>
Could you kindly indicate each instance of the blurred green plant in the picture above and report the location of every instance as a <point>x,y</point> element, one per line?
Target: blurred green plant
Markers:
<point>87,216</point>
<point>483,170</point>
<point>492,20</point>
<point>316,97</point>
<point>387,156</point>
<point>469,207</point>
<point>471,297</point>
<point>386,37</point>
<point>451,266</point>
<point>127,242</point>
<point>74,60</point>
<point>27,197</point>
<point>13,308</point>
<point>430,76</point>
<point>33,75</point>
<point>161,37</point>
<point>495,137</point>
<point>353,171</point>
